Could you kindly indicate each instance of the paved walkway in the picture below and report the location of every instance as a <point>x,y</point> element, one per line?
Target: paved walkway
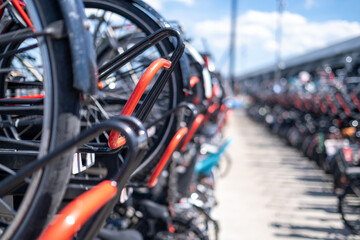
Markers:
<point>272,191</point>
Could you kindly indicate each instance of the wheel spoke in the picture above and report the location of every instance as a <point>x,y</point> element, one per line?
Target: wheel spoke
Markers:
<point>20,50</point>
<point>31,68</point>
<point>7,207</point>
<point>6,169</point>
<point>21,122</point>
<point>9,143</point>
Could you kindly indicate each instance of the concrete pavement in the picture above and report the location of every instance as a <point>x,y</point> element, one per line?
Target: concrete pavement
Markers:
<point>272,191</point>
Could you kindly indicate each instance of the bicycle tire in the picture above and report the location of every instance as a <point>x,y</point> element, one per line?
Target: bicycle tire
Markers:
<point>182,226</point>
<point>60,122</point>
<point>348,207</point>
<point>148,25</point>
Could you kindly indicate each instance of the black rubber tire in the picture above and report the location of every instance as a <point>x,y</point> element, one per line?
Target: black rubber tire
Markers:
<point>182,226</point>
<point>349,204</point>
<point>60,123</point>
<point>148,26</point>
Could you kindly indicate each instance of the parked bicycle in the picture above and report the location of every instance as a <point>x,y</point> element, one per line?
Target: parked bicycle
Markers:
<point>73,160</point>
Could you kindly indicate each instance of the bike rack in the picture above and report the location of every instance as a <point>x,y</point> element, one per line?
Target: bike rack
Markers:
<point>135,141</point>
<point>102,149</point>
<point>343,104</point>
<point>172,146</point>
<point>167,154</point>
<point>211,110</point>
<point>180,106</point>
<point>115,141</point>
<point>196,124</point>
<point>193,81</point>
<point>84,206</point>
<point>320,103</point>
<point>331,104</point>
<point>120,60</point>
<point>193,112</point>
<point>80,210</point>
<point>355,100</point>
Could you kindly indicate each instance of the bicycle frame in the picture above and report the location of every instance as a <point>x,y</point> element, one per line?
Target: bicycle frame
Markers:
<point>18,6</point>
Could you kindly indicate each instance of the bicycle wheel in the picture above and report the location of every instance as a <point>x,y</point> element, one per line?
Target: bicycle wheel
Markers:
<point>349,208</point>
<point>38,112</point>
<point>184,230</point>
<point>116,26</point>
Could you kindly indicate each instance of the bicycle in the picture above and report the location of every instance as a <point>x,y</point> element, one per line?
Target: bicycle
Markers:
<point>38,106</point>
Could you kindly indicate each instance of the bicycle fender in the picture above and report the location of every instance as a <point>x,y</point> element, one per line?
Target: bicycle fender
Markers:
<point>82,48</point>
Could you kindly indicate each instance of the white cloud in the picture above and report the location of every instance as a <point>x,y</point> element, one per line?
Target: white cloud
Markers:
<point>159,4</point>
<point>256,31</point>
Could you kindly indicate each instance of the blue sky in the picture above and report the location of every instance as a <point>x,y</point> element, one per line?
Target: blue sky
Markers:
<point>307,25</point>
